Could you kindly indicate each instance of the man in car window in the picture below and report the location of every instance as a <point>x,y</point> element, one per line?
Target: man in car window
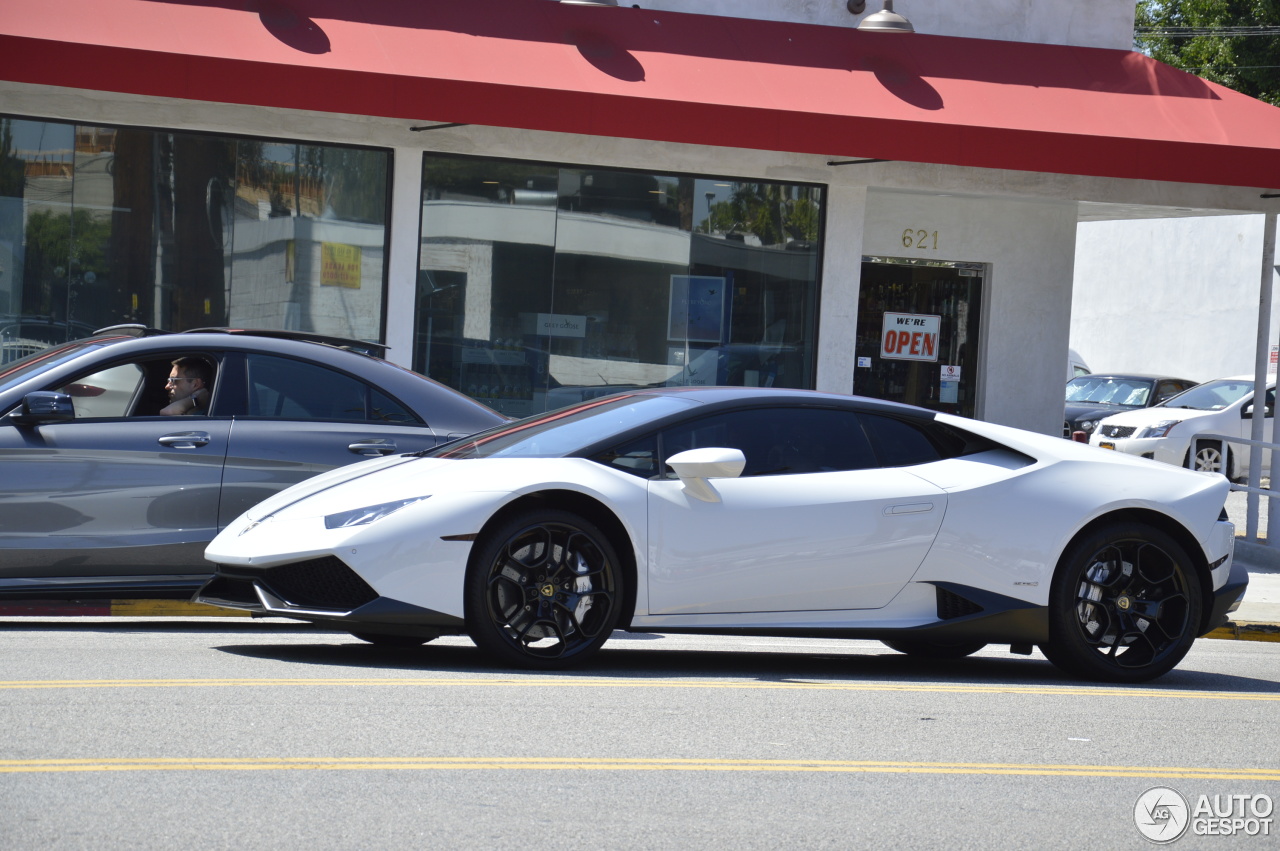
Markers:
<point>188,386</point>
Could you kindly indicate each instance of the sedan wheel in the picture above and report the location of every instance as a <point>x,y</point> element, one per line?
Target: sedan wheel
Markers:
<point>1124,607</point>
<point>544,590</point>
<point>1209,459</point>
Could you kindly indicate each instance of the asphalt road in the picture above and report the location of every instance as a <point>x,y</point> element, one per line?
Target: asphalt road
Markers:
<point>121,733</point>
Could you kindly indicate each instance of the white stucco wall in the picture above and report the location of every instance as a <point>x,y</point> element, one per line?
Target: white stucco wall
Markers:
<point>1029,246</point>
<point>1176,296</point>
<point>1085,23</point>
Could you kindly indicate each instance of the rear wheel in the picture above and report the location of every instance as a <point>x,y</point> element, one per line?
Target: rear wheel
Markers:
<point>1124,605</point>
<point>544,590</point>
<point>926,649</point>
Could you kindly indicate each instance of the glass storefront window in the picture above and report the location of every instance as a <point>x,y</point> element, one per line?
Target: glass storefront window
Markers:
<point>540,286</point>
<point>102,225</point>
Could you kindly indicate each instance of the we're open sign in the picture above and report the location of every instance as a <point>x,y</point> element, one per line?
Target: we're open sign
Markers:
<point>910,336</point>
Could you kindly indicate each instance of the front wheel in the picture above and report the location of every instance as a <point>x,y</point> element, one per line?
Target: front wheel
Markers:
<point>544,589</point>
<point>1124,606</point>
<point>934,649</point>
<point>1209,458</point>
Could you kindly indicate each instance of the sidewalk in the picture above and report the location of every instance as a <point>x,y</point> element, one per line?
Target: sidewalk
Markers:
<point>1258,618</point>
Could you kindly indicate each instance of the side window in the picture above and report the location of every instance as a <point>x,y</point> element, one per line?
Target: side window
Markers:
<point>639,457</point>
<point>780,441</point>
<point>899,443</point>
<point>107,393</point>
<point>384,409</point>
<point>1168,389</point>
<point>282,388</point>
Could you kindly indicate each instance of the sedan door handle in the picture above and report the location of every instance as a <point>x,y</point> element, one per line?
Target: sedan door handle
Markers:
<point>185,440</point>
<point>373,446</point>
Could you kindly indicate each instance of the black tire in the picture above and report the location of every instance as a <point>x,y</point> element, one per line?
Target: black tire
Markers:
<point>934,649</point>
<point>1124,606</point>
<point>383,639</point>
<point>544,589</point>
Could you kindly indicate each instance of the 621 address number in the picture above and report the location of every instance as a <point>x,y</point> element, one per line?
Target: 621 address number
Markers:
<point>921,239</point>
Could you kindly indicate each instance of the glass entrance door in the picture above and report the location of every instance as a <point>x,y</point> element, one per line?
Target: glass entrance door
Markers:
<point>918,334</point>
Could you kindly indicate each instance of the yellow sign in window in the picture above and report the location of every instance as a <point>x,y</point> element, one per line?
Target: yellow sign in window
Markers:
<point>339,265</point>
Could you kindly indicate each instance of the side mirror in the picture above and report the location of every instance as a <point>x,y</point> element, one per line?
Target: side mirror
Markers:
<point>45,406</point>
<point>695,466</point>
<point>1246,413</point>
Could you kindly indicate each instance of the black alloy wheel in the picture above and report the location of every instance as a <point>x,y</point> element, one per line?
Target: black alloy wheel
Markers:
<point>543,590</point>
<point>1124,606</point>
<point>933,648</point>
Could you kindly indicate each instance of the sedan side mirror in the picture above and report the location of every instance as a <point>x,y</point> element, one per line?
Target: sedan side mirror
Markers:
<point>695,466</point>
<point>45,406</point>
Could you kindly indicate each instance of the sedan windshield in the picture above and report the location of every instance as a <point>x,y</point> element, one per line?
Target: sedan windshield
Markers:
<point>557,434</point>
<point>1108,390</point>
<point>1213,395</point>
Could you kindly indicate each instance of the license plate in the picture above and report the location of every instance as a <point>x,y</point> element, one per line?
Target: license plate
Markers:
<point>1106,445</point>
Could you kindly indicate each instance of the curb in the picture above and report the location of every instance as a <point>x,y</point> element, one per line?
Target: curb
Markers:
<point>1233,631</point>
<point>120,608</point>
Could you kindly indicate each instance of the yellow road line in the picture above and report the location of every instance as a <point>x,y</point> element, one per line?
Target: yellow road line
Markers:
<point>624,764</point>
<point>171,608</point>
<point>580,682</point>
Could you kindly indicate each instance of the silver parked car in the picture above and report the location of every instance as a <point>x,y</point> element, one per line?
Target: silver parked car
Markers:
<point>103,495</point>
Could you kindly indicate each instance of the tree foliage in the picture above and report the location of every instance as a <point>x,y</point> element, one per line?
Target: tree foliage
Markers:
<point>1235,43</point>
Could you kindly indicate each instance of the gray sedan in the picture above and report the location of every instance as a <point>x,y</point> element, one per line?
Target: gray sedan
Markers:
<point>101,494</point>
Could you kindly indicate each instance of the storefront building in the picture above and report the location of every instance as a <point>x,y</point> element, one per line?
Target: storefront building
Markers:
<point>540,202</point>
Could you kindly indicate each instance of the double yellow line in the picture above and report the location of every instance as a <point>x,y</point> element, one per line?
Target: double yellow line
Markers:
<point>30,766</point>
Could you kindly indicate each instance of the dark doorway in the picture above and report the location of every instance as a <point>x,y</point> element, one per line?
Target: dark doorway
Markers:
<point>918,334</point>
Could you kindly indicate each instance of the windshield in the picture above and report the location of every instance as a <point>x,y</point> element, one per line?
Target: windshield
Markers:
<point>560,433</point>
<point>19,370</point>
<point>1213,395</point>
<point>1108,390</point>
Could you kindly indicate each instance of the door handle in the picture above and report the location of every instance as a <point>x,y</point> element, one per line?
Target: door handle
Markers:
<point>912,508</point>
<point>372,446</point>
<point>185,440</point>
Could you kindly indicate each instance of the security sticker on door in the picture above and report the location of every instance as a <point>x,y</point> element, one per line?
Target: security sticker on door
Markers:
<point>910,336</point>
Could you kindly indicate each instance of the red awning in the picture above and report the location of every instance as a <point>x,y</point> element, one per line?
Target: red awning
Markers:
<point>664,76</point>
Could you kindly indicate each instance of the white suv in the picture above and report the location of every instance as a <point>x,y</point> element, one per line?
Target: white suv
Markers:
<point>1164,431</point>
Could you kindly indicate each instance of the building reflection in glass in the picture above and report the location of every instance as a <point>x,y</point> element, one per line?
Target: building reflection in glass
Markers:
<point>540,286</point>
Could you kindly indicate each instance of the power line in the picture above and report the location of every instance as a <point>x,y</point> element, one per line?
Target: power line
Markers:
<point>1196,32</point>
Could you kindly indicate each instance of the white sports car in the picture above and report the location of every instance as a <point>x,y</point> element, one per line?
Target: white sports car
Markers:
<point>750,512</point>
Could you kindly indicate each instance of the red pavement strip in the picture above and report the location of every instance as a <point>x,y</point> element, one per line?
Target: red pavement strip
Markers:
<point>180,608</point>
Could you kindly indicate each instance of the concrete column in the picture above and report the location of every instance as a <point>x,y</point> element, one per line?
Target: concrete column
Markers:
<point>402,259</point>
<point>841,280</point>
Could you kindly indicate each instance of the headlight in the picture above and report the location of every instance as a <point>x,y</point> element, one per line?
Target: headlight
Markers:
<point>1160,429</point>
<point>1087,426</point>
<point>368,514</point>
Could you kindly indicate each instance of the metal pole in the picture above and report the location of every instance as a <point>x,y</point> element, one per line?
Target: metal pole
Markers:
<point>1261,362</point>
<point>1268,283</point>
